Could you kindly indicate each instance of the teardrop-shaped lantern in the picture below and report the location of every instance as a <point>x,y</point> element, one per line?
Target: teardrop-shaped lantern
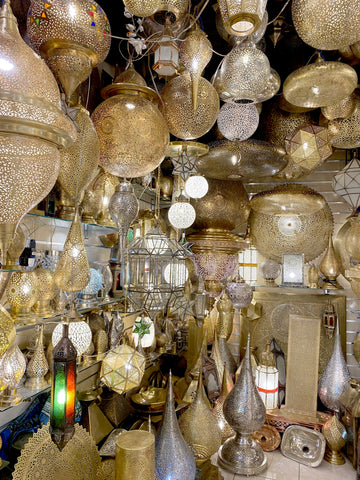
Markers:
<point>206,440</point>
<point>37,367</point>
<point>173,457</point>
<point>226,386</point>
<point>78,163</point>
<point>123,208</point>
<point>330,265</point>
<point>245,412</point>
<point>352,239</point>
<point>195,53</point>
<point>72,273</point>
<point>334,380</point>
<point>73,38</point>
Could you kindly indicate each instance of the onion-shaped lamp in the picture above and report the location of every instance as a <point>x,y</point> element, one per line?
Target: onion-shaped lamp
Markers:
<point>133,134</point>
<point>195,54</point>
<point>72,38</point>
<point>22,293</point>
<point>12,369</point>
<point>32,128</point>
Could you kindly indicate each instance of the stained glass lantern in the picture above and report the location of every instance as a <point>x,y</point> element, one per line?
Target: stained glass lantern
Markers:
<point>308,146</point>
<point>157,272</point>
<point>347,183</point>
<point>122,369</point>
<point>242,17</point>
<point>72,38</point>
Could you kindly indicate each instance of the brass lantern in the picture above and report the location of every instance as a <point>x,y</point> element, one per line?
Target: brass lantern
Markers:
<point>242,17</point>
<point>132,132</point>
<point>166,55</point>
<point>72,38</point>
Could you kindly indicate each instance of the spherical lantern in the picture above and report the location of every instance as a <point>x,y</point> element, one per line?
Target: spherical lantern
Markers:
<point>196,186</point>
<point>73,38</point>
<point>240,293</point>
<point>122,369</point>
<point>290,219</point>
<point>327,25</point>
<point>132,132</point>
<point>256,36</point>
<point>320,84</point>
<point>237,122</point>
<point>79,334</point>
<point>141,8</point>
<point>183,122</point>
<point>47,291</point>
<point>22,293</point>
<point>171,10</point>
<point>225,206</point>
<point>342,109</point>
<point>344,133</point>
<point>181,214</point>
<point>270,270</point>
<point>308,146</point>
<point>29,106</point>
<point>243,74</point>
<point>79,162</point>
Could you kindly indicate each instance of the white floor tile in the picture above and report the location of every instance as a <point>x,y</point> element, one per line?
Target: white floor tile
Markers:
<point>326,471</point>
<point>281,468</point>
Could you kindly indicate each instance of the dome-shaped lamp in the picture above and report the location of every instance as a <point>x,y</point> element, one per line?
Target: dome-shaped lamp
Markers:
<point>73,38</point>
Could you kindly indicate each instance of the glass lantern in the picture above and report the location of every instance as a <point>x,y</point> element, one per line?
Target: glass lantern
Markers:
<point>166,55</point>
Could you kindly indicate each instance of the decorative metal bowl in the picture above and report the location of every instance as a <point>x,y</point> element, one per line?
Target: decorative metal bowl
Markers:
<point>303,445</point>
<point>290,219</point>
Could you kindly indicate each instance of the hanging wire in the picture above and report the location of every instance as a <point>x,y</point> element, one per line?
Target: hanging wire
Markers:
<point>278,15</point>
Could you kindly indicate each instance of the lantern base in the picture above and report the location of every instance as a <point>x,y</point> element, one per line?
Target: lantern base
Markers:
<point>10,397</point>
<point>331,285</point>
<point>43,308</point>
<point>36,383</point>
<point>333,456</point>
<point>87,301</point>
<point>242,455</point>
<point>66,212</point>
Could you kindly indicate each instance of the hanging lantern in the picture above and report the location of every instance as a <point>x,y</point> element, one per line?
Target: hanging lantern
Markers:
<point>148,286</point>
<point>79,333</point>
<point>195,54</point>
<point>171,10</point>
<point>32,127</point>
<point>243,75</point>
<point>12,369</point>
<point>184,156</point>
<point>342,109</point>
<point>327,25</point>
<point>123,208</point>
<point>196,186</point>
<point>183,122</point>
<point>122,369</point>
<point>63,390</point>
<point>242,17</point>
<point>237,121</point>
<point>166,55</point>
<point>267,379</point>
<point>320,84</point>
<point>142,8</point>
<point>79,162</point>
<point>132,132</point>
<point>104,186</point>
<point>344,132</point>
<point>181,214</point>
<point>72,38</point>
<point>308,146</point>
<point>72,273</point>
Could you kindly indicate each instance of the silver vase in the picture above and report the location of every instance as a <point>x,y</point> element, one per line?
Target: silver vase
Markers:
<point>173,457</point>
<point>334,380</point>
<point>245,413</point>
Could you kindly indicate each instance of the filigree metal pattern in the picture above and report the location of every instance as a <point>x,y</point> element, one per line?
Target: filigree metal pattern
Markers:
<point>237,122</point>
<point>344,133</point>
<point>7,330</point>
<point>22,291</point>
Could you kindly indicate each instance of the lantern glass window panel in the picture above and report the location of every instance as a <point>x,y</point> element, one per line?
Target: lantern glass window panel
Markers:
<point>248,265</point>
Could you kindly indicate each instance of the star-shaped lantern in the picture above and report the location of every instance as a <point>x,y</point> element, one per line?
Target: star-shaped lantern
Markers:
<point>184,155</point>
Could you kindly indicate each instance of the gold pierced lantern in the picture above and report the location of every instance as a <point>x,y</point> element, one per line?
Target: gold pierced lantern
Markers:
<point>72,38</point>
<point>7,331</point>
<point>132,132</point>
<point>142,8</point>
<point>79,162</point>
<point>342,109</point>
<point>320,84</point>
<point>290,219</point>
<point>32,128</point>
<point>344,133</point>
<point>170,10</point>
<point>183,122</point>
<point>22,293</point>
<point>242,17</point>
<point>47,291</point>
<point>327,25</point>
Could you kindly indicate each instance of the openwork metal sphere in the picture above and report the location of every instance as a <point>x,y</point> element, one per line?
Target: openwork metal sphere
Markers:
<point>181,215</point>
<point>225,206</point>
<point>237,122</point>
<point>22,292</point>
<point>142,8</point>
<point>344,133</point>
<point>79,162</point>
<point>243,74</point>
<point>183,122</point>
<point>290,219</point>
<point>342,109</point>
<point>327,25</point>
<point>73,38</point>
<point>132,132</point>
<point>240,293</point>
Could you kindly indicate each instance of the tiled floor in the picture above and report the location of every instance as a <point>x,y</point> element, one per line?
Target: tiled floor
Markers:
<point>281,468</point>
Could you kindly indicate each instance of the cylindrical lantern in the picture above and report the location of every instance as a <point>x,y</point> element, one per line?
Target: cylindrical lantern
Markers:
<point>63,388</point>
<point>135,456</point>
<point>242,17</point>
<point>267,379</point>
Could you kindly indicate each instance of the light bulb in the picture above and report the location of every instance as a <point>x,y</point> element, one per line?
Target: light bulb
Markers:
<point>196,186</point>
<point>181,215</point>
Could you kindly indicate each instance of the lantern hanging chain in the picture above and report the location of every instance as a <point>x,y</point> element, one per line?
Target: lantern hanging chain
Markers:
<point>157,196</point>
